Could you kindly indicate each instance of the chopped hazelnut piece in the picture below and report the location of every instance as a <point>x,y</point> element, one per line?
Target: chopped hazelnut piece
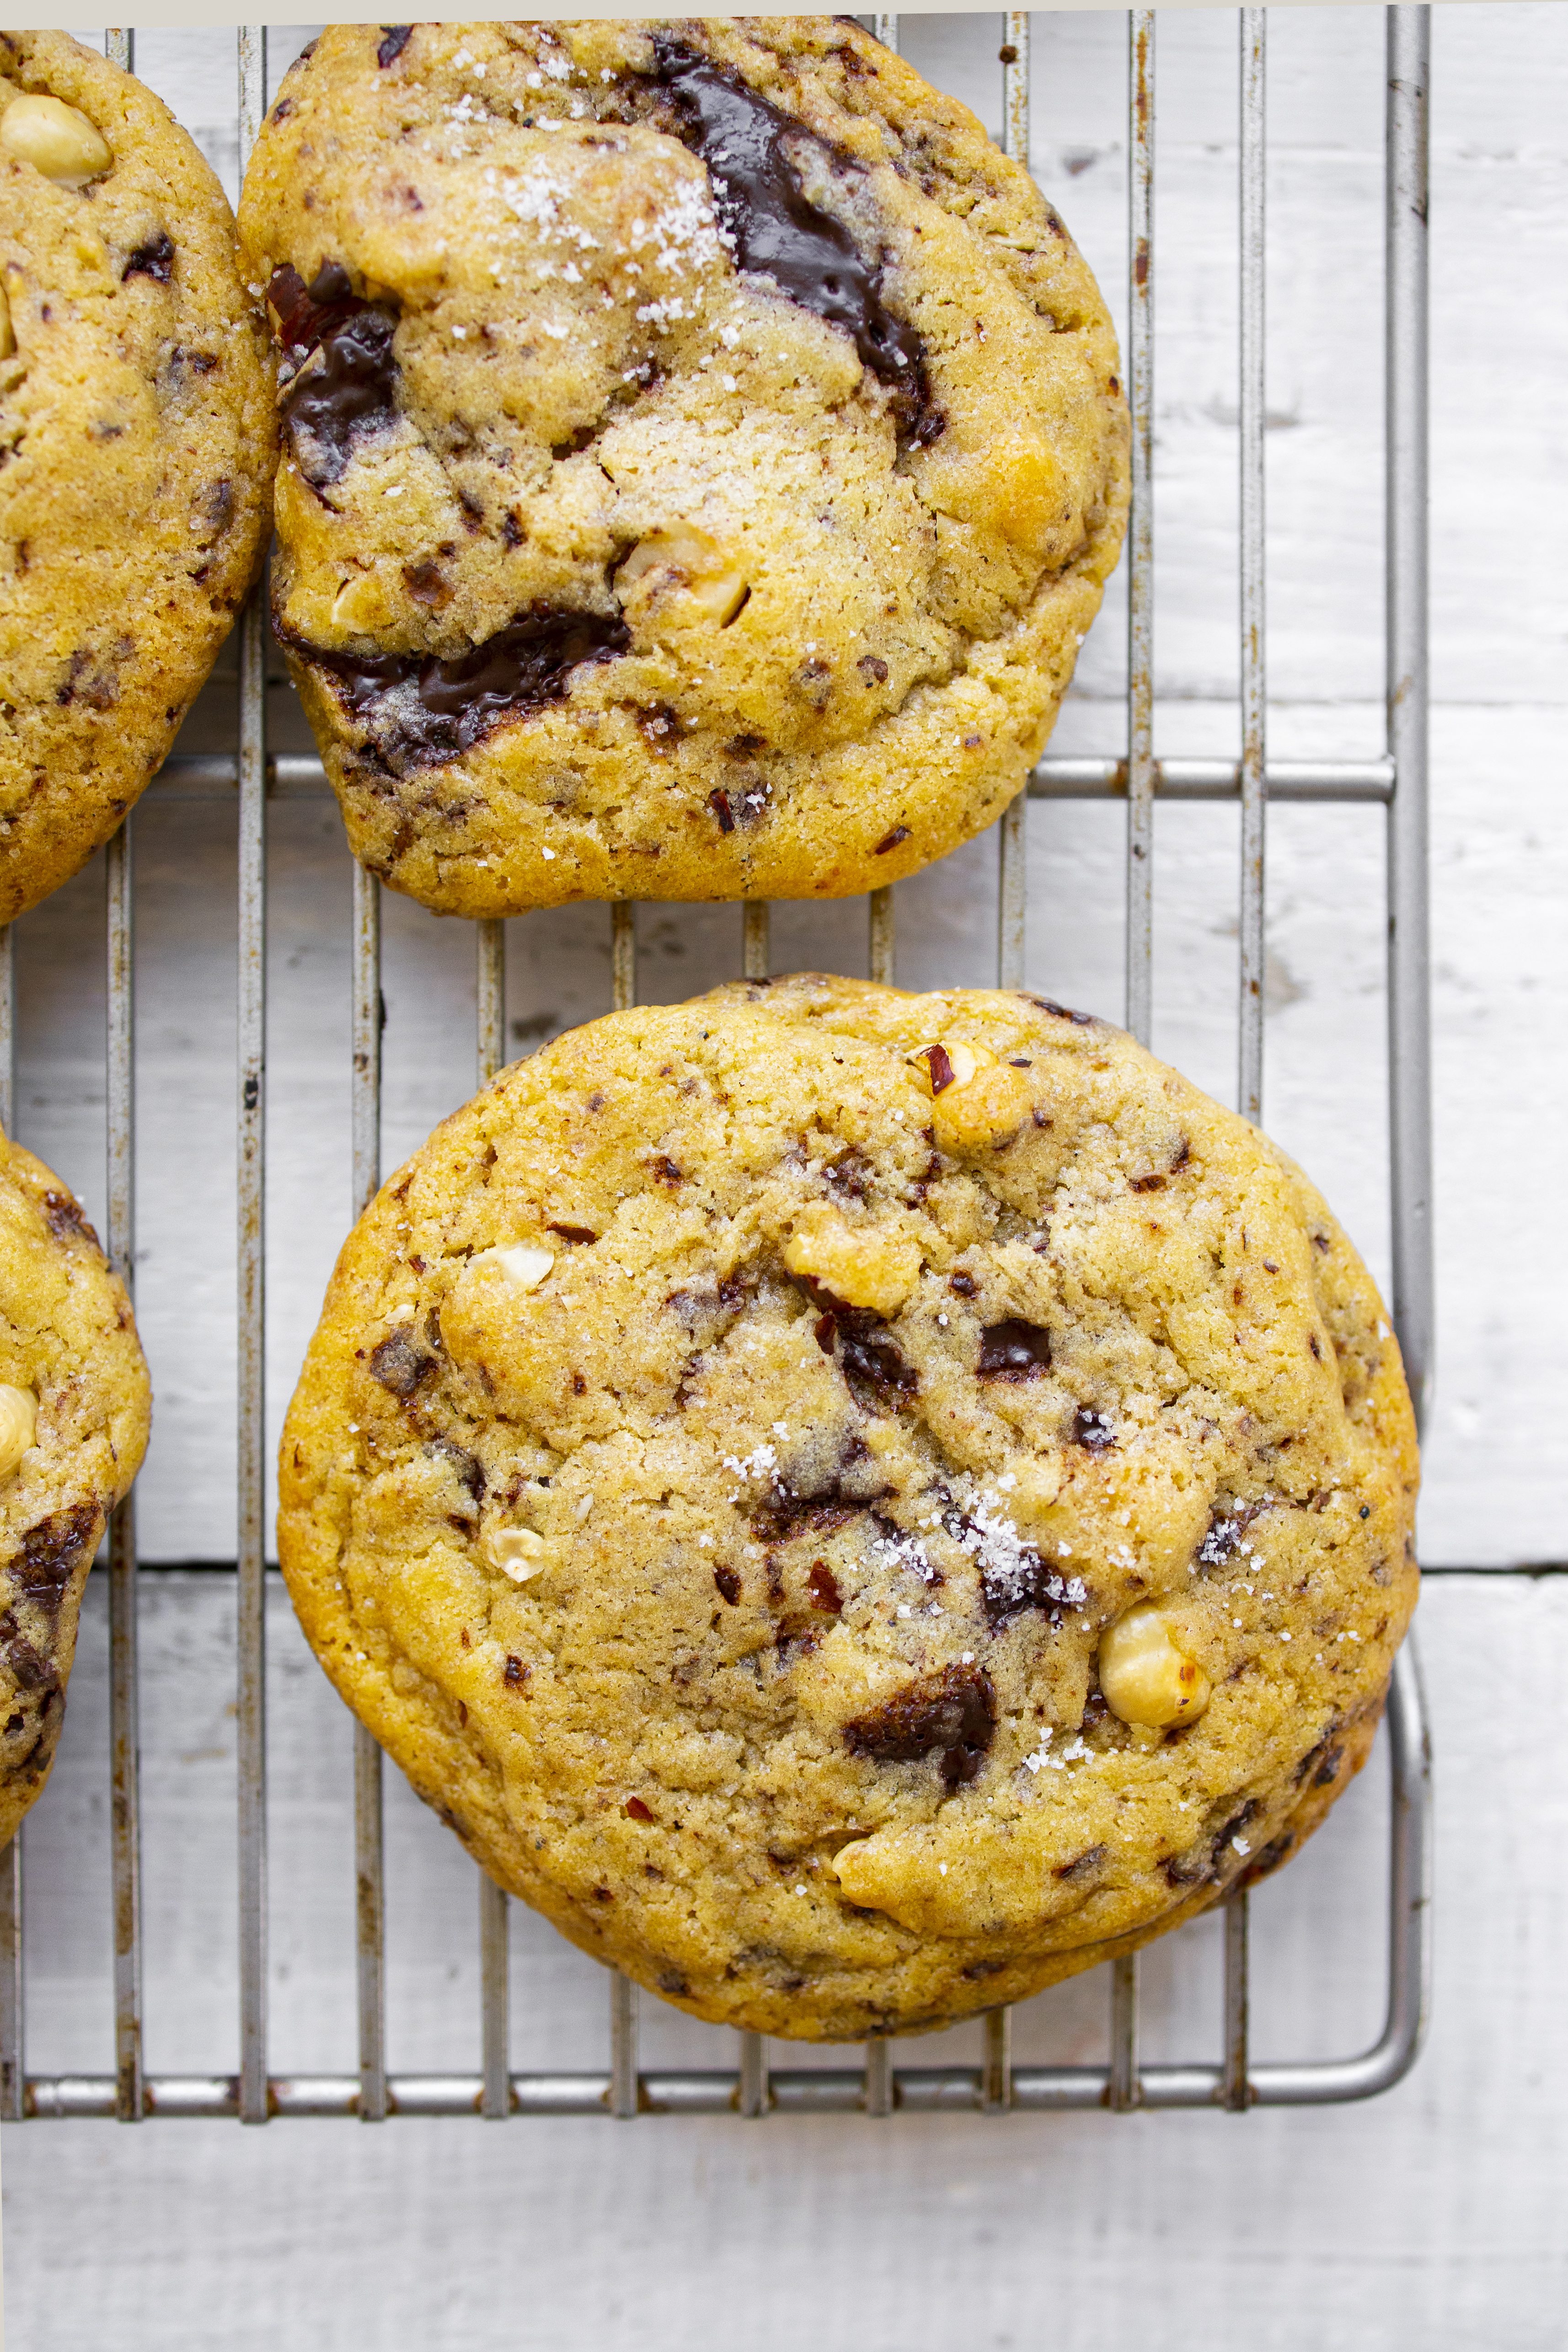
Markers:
<point>684,562</point>
<point>519,1553</point>
<point>859,1264</point>
<point>1147,1677</point>
<point>58,140</point>
<point>19,1427</point>
<point>975,1100</point>
<point>951,1063</point>
<point>520,1262</point>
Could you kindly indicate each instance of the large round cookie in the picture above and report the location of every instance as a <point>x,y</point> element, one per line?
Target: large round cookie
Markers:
<point>137,445</point>
<point>704,453</point>
<point>850,1556</point>
<point>74,1403</point>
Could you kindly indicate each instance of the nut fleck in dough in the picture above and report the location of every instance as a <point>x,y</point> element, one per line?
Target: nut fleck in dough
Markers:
<point>137,444</point>
<point>703,454</point>
<point>751,1633</point>
<point>74,1402</point>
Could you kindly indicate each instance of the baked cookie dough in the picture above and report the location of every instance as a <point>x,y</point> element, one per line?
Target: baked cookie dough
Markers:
<point>137,446</point>
<point>851,1555</point>
<point>74,1404</point>
<point>704,453</point>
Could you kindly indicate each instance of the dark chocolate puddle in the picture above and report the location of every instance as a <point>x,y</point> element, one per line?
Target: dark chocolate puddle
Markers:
<point>455,704</point>
<point>777,232</point>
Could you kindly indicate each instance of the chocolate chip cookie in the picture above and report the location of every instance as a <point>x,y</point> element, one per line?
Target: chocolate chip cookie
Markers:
<point>704,453</point>
<point>856,1506</point>
<point>74,1403</point>
<point>137,446</point>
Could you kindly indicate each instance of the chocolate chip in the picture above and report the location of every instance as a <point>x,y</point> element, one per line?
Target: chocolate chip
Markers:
<point>824,1589</point>
<point>1147,1184</point>
<point>849,1175</point>
<point>873,669</point>
<point>729,1584</point>
<point>421,708</point>
<point>399,1365</point>
<point>1186,1869</point>
<point>965,1285</point>
<point>663,1170</point>
<point>953,1713</point>
<point>427,584</point>
<point>1014,1350</point>
<point>573,1233</point>
<point>1234,1827</point>
<point>396,40</point>
<point>719,803</point>
<point>776,231</point>
<point>638,1811</point>
<point>1083,1865</point>
<point>513,1674</point>
<point>1092,1429</point>
<point>155,259</point>
<point>1063,1012</point>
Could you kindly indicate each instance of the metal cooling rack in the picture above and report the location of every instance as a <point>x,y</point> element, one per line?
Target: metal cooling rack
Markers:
<point>1397,782</point>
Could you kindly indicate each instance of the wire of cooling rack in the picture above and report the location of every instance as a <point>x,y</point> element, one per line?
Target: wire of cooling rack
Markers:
<point>1397,782</point>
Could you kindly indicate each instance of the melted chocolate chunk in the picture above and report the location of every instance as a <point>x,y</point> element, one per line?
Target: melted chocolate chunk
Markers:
<point>350,394</point>
<point>1013,1576</point>
<point>455,704</point>
<point>868,1356</point>
<point>155,259</point>
<point>1091,1429</point>
<point>1014,1351</point>
<point>827,1508</point>
<point>29,1669</point>
<point>777,232</point>
<point>572,1232</point>
<point>63,1215</point>
<point>399,1365</point>
<point>874,1366</point>
<point>729,1584</point>
<point>51,1552</point>
<point>397,37</point>
<point>1225,1529</point>
<point>306,313</point>
<point>466,1468</point>
<point>953,1713</point>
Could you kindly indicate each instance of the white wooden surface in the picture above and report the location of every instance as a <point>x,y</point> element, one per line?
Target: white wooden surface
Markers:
<point>1431,2218</point>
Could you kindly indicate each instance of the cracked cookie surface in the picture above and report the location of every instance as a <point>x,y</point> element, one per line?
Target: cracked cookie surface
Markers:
<point>137,444</point>
<point>731,1444</point>
<point>702,455</point>
<point>74,1405</point>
